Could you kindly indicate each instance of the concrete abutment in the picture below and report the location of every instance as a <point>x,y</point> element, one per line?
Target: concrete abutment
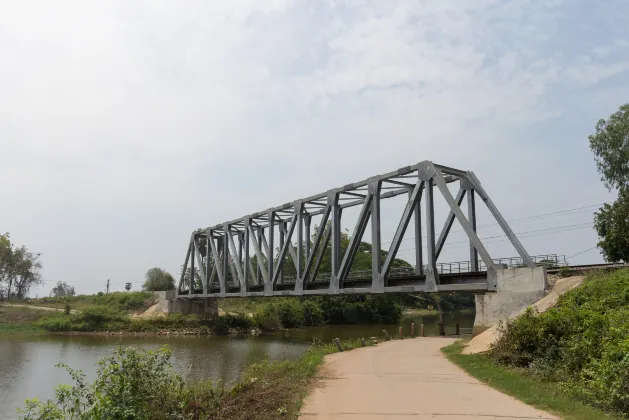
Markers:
<point>207,307</point>
<point>517,289</point>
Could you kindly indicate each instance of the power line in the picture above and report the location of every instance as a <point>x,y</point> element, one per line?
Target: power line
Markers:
<point>583,252</point>
<point>565,212</point>
<point>526,234</point>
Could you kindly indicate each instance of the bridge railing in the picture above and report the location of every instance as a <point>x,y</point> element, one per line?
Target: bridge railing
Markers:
<point>551,261</point>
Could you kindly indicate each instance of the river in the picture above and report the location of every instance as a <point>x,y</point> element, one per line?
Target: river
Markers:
<point>27,362</point>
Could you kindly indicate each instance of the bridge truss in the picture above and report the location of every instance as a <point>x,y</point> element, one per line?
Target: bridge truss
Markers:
<point>238,258</point>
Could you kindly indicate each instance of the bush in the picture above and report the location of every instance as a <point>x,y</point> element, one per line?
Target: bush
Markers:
<point>240,322</point>
<point>267,319</point>
<point>130,384</point>
<point>55,323</point>
<point>583,342</point>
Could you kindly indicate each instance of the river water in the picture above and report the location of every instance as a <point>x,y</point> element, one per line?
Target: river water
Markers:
<point>27,362</point>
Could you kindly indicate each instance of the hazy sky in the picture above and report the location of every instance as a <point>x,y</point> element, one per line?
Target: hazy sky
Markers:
<point>124,125</point>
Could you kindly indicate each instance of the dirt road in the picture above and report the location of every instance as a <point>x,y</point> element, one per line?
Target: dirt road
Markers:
<point>406,379</point>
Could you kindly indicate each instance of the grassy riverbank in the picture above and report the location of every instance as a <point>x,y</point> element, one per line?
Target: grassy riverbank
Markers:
<point>113,313</point>
<point>528,388</point>
<point>574,354</point>
<point>148,388</point>
<point>20,320</point>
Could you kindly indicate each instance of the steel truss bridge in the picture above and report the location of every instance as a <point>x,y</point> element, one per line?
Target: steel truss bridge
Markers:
<point>237,258</point>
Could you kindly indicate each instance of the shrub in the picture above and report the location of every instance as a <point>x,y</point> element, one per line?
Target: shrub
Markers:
<point>240,322</point>
<point>130,384</point>
<point>582,342</point>
<point>55,323</point>
<point>267,319</point>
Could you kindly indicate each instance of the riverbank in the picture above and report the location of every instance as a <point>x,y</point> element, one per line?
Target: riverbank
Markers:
<point>573,357</point>
<point>266,390</point>
<point>526,388</point>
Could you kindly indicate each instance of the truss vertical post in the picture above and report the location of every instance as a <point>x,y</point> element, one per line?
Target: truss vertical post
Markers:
<point>192,256</point>
<point>240,246</point>
<point>471,217</point>
<point>208,268</point>
<point>268,284</point>
<point>333,202</point>
<point>299,209</point>
<point>281,259</point>
<point>225,265</point>
<point>419,252</point>
<point>307,221</point>
<point>247,261</point>
<point>200,262</point>
<point>432,275</point>
<point>258,268</point>
<point>374,188</point>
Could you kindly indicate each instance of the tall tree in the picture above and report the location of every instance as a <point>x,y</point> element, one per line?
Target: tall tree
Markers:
<point>19,268</point>
<point>62,289</point>
<point>157,279</point>
<point>612,225</point>
<point>610,145</point>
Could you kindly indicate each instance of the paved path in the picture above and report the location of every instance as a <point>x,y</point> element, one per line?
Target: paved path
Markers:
<point>406,380</point>
<point>41,308</point>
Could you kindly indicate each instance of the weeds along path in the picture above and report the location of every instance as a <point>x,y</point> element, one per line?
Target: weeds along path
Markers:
<point>406,379</point>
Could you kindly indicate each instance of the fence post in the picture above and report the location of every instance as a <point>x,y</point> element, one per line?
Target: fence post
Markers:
<point>386,335</point>
<point>412,329</point>
<point>339,346</point>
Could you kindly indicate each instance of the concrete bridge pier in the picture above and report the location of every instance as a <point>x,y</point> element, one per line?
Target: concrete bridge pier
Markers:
<point>517,289</point>
<point>206,307</point>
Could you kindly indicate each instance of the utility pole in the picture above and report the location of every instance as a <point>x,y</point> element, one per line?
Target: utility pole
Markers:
<point>108,286</point>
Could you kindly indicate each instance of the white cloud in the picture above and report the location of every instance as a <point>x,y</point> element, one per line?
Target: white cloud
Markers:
<point>178,115</point>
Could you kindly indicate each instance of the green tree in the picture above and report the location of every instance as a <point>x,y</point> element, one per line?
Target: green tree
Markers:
<point>612,224</point>
<point>157,279</point>
<point>19,269</point>
<point>610,145</point>
<point>62,289</point>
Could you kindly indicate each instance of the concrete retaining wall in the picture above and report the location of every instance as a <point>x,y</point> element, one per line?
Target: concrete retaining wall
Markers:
<point>206,307</point>
<point>517,289</point>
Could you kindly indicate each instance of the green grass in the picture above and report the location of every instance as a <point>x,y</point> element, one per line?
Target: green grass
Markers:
<point>277,389</point>
<point>533,391</point>
<point>19,320</point>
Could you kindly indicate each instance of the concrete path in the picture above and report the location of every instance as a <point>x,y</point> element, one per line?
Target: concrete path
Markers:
<point>406,379</point>
<point>40,308</point>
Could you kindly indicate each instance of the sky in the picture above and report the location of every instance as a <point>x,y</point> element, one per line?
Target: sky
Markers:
<point>125,125</point>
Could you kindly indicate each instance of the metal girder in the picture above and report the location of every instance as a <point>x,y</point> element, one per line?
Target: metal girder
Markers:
<point>239,275</point>
<point>501,221</point>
